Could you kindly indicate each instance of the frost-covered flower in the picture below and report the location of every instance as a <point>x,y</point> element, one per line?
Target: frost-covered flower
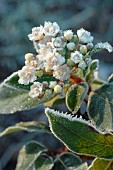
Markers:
<point>104,45</point>
<point>36,90</point>
<point>84,36</point>
<point>71,46</point>
<point>27,75</point>
<point>58,42</point>
<point>37,34</point>
<point>63,73</point>
<point>54,60</point>
<point>51,29</point>
<point>76,57</point>
<point>68,34</point>
<point>52,84</point>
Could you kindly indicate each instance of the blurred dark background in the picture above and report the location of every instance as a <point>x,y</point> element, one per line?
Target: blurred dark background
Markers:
<point>17,17</point>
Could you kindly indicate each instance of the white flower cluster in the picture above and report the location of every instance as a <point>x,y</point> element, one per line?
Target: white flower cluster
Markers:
<point>57,53</point>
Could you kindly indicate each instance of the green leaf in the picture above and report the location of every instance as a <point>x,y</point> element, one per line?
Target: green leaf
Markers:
<point>28,154</point>
<point>103,164</point>
<point>12,100</point>
<point>26,126</point>
<point>79,135</point>
<point>68,161</point>
<point>43,162</point>
<point>100,107</point>
<point>97,83</point>
<point>110,79</point>
<point>94,65</point>
<point>75,95</point>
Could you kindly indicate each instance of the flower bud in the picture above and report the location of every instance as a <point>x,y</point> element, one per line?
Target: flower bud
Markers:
<point>48,92</point>
<point>39,73</point>
<point>90,46</point>
<point>83,49</point>
<point>29,56</point>
<point>57,89</point>
<point>52,84</point>
<point>71,46</point>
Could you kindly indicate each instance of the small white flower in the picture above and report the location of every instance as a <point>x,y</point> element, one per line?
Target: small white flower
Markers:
<point>82,64</point>
<point>84,36</point>
<point>58,42</point>
<point>104,45</point>
<point>45,41</point>
<point>68,34</point>
<point>52,84</point>
<point>63,73</point>
<point>51,29</point>
<point>76,57</point>
<point>36,90</point>
<point>71,46</point>
<point>37,34</point>
<point>54,60</point>
<point>26,75</point>
<point>57,89</point>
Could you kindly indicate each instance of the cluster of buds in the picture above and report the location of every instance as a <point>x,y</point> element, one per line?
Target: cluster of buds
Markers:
<point>58,52</point>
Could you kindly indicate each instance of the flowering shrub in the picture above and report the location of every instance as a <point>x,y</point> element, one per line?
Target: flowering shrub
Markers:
<point>62,71</point>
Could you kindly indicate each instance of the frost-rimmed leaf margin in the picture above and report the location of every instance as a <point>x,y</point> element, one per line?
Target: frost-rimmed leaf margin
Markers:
<point>68,160</point>
<point>28,154</point>
<point>12,100</point>
<point>101,163</point>
<point>75,95</point>
<point>43,162</point>
<point>100,107</point>
<point>31,126</point>
<point>92,141</point>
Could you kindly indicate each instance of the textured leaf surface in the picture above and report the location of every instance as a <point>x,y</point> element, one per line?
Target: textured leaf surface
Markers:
<point>103,164</point>
<point>28,154</point>
<point>69,161</point>
<point>26,126</point>
<point>79,136</point>
<point>12,100</point>
<point>101,107</point>
<point>75,95</point>
<point>43,162</point>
